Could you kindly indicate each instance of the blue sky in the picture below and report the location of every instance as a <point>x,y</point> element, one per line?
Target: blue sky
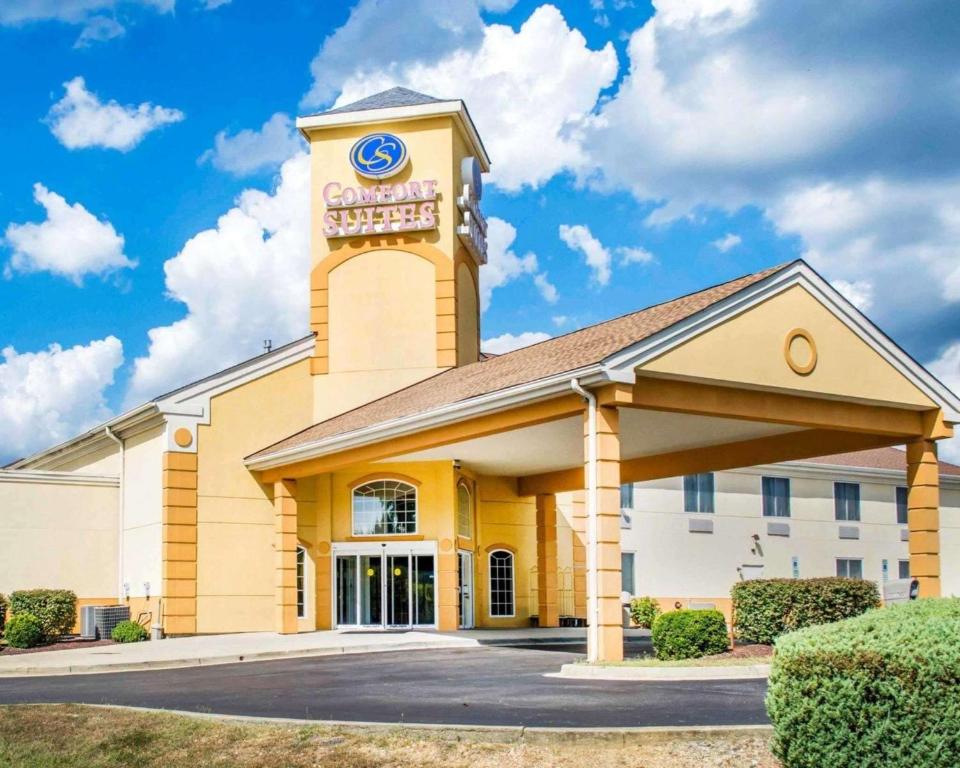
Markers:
<point>640,151</point>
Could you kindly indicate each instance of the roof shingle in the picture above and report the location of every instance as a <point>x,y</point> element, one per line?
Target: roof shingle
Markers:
<point>393,97</point>
<point>878,458</point>
<point>570,352</point>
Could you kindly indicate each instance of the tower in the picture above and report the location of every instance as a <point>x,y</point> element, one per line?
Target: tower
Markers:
<point>397,243</point>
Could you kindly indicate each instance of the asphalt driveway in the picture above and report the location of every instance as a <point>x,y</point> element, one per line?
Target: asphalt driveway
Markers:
<point>475,686</point>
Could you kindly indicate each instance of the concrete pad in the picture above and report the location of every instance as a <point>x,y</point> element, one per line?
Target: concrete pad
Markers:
<point>662,674</point>
<point>202,650</point>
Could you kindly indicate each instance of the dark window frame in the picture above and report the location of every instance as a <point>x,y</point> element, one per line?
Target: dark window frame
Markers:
<point>775,504</point>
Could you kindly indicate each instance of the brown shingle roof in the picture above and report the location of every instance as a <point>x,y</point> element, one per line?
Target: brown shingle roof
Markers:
<point>878,458</point>
<point>569,352</point>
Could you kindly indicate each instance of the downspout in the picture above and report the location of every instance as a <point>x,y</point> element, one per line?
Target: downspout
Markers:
<point>593,589</point>
<point>123,471</point>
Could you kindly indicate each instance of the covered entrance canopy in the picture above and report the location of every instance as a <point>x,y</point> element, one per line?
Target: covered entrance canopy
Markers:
<point>772,367</point>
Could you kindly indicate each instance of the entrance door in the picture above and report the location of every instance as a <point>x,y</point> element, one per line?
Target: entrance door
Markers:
<point>378,585</point>
<point>465,589</point>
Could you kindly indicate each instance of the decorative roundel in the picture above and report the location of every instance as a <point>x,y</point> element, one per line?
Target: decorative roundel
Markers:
<point>470,172</point>
<point>183,437</point>
<point>800,351</point>
<point>379,155</point>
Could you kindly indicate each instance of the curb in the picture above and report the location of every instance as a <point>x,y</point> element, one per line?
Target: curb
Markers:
<point>508,734</point>
<point>206,661</point>
<point>662,674</point>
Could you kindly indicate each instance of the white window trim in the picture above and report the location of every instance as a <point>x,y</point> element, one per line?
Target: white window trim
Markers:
<point>513,584</point>
<point>836,562</point>
<point>460,484</point>
<point>416,513</point>
<point>634,579</point>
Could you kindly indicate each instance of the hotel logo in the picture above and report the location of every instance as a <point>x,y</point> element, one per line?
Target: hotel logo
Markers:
<point>379,156</point>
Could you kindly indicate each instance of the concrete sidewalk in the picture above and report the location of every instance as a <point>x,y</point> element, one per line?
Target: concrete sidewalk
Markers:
<point>203,650</point>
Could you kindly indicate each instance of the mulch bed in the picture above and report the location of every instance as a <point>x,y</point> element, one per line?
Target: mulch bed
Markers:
<point>759,652</point>
<point>60,645</point>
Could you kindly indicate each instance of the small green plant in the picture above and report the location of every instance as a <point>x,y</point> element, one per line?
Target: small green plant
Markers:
<point>3,611</point>
<point>644,611</point>
<point>55,608</point>
<point>128,632</point>
<point>765,609</point>
<point>24,630</point>
<point>875,691</point>
<point>689,634</point>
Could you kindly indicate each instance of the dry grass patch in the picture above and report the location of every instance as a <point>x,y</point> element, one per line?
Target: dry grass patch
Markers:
<point>48,736</point>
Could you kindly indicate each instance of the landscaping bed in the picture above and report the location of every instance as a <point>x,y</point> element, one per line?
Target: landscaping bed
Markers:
<point>94,737</point>
<point>64,644</point>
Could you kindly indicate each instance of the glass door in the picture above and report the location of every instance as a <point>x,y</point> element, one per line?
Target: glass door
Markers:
<point>371,590</point>
<point>465,589</point>
<point>424,590</point>
<point>398,590</point>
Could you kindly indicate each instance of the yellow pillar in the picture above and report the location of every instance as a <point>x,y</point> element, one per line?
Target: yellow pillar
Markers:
<point>179,591</point>
<point>605,583</point>
<point>285,543</point>
<point>548,610</point>
<point>324,556</point>
<point>578,522</point>
<point>923,504</point>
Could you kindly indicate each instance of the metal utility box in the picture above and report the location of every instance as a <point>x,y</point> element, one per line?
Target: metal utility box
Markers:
<point>106,617</point>
<point>88,622</point>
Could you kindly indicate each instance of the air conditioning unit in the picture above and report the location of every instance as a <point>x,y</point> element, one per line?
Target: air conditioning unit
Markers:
<point>106,617</point>
<point>88,622</point>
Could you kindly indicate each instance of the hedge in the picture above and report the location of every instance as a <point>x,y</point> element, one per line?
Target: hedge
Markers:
<point>128,632</point>
<point>24,630</point>
<point>55,608</point>
<point>876,691</point>
<point>765,609</point>
<point>644,611</point>
<point>689,634</point>
<point>3,611</point>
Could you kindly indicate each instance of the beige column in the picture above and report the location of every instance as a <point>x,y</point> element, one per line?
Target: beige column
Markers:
<point>179,543</point>
<point>607,584</point>
<point>324,556</point>
<point>285,544</point>
<point>548,610</point>
<point>578,522</point>
<point>923,504</point>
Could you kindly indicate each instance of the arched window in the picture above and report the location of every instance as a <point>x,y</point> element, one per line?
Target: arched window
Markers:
<point>384,507</point>
<point>501,583</point>
<point>464,511</point>
<point>301,582</point>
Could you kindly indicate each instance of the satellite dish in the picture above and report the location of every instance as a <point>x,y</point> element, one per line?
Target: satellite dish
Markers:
<point>470,171</point>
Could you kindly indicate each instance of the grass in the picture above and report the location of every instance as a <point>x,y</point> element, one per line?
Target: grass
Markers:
<point>51,736</point>
<point>706,661</point>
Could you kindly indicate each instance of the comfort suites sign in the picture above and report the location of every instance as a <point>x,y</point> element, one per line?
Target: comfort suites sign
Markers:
<point>410,206</point>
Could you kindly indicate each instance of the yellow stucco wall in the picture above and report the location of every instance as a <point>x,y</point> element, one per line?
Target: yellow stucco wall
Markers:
<point>468,317</point>
<point>235,549</point>
<point>750,349</point>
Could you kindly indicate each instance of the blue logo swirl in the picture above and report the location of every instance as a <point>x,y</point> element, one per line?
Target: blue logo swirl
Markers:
<point>378,155</point>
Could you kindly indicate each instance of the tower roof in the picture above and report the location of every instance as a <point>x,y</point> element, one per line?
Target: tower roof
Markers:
<point>392,97</point>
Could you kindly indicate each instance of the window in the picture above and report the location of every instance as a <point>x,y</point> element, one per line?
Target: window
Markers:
<point>464,511</point>
<point>846,501</point>
<point>698,492</point>
<point>903,569</point>
<point>901,505</point>
<point>626,505</point>
<point>387,507</point>
<point>627,573</point>
<point>849,568</point>
<point>776,497</point>
<point>501,583</point>
<point>301,566</point>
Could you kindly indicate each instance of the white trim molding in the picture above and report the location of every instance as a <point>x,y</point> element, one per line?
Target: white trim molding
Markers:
<point>57,478</point>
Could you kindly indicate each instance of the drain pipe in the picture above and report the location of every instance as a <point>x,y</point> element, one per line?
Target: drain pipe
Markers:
<point>593,582</point>
<point>123,471</point>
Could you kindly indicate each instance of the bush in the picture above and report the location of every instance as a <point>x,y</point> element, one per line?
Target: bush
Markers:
<point>644,611</point>
<point>56,609</point>
<point>3,611</point>
<point>128,632</point>
<point>876,690</point>
<point>764,609</point>
<point>689,634</point>
<point>24,630</point>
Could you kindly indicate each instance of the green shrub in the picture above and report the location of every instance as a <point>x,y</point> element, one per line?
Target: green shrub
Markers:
<point>3,611</point>
<point>875,691</point>
<point>689,634</point>
<point>24,630</point>
<point>56,609</point>
<point>128,632</point>
<point>764,609</point>
<point>644,611</point>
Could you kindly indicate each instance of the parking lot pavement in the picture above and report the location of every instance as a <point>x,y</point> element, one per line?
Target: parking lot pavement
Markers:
<point>471,686</point>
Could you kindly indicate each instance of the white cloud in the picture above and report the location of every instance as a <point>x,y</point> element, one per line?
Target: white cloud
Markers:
<point>508,342</point>
<point>228,279</point>
<point>250,151</point>
<point>503,265</point>
<point>99,29</point>
<point>530,92</point>
<point>70,242</point>
<point>859,293</point>
<point>80,120</point>
<point>559,320</point>
<point>47,397</point>
<point>598,257</point>
<point>947,368</point>
<point>726,243</point>
<point>97,26</point>
<point>634,255</point>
